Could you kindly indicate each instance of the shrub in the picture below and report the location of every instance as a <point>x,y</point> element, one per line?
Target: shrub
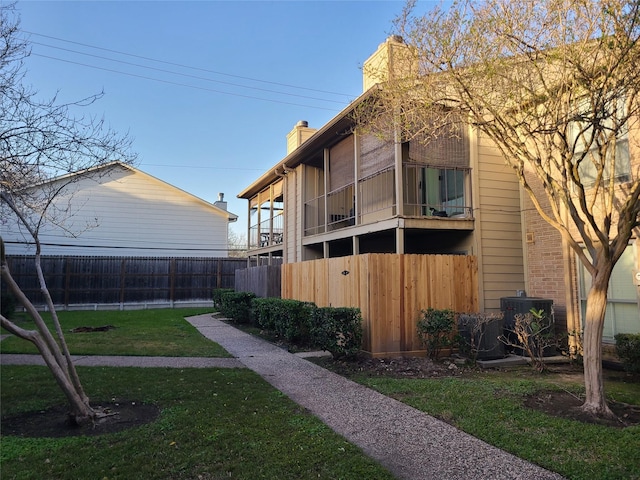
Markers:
<point>533,334</point>
<point>218,293</point>
<point>337,330</point>
<point>288,319</point>
<point>264,312</point>
<point>628,349</point>
<point>293,321</point>
<point>436,330</point>
<point>237,306</point>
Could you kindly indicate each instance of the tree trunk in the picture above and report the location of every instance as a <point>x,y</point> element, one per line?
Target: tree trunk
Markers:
<point>81,411</point>
<point>62,343</point>
<point>595,403</point>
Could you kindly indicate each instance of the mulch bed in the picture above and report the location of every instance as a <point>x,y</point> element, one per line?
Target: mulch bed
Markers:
<point>54,421</point>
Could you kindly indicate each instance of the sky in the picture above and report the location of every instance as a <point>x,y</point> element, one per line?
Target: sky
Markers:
<point>207,90</point>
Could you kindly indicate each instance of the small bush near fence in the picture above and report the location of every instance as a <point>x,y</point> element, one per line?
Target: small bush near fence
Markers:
<point>237,306</point>
<point>436,329</point>
<point>478,335</point>
<point>628,349</point>
<point>288,319</point>
<point>218,293</point>
<point>265,312</point>
<point>336,330</point>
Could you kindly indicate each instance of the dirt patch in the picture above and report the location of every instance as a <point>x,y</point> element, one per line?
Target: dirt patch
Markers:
<point>567,405</point>
<point>557,403</point>
<point>53,422</point>
<point>410,367</point>
<point>103,328</point>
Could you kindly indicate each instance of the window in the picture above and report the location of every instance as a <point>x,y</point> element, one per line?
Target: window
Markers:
<point>623,311</point>
<point>582,136</point>
<point>435,191</point>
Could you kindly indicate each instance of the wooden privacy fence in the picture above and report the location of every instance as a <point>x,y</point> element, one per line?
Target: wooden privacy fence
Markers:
<point>389,289</point>
<point>124,280</point>
<point>263,280</point>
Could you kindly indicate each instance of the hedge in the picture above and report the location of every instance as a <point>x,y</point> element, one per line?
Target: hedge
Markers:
<point>336,330</point>
<point>628,350</point>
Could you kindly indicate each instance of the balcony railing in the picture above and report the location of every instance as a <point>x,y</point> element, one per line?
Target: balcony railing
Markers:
<point>376,193</point>
<point>436,210</point>
<point>340,204</point>
<point>266,234</point>
<point>428,192</point>
<point>314,216</point>
<point>436,192</point>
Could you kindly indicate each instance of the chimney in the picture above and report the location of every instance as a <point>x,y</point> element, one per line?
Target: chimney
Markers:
<point>393,60</point>
<point>220,203</point>
<point>300,133</point>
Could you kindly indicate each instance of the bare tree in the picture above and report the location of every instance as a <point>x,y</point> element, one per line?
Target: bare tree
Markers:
<point>39,141</point>
<point>237,244</point>
<point>554,84</point>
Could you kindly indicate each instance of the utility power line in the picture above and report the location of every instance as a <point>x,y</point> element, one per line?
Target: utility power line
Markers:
<point>348,96</point>
<point>197,77</point>
<point>184,84</point>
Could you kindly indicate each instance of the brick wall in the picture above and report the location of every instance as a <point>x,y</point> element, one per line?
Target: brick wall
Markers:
<point>545,259</point>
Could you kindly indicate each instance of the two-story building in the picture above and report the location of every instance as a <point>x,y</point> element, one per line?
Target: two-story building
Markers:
<point>339,192</point>
<point>342,190</point>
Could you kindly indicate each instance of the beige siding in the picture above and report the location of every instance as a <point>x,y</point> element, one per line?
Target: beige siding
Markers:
<point>125,212</point>
<point>294,206</point>
<point>499,238</point>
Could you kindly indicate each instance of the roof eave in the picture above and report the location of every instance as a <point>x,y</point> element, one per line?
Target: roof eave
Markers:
<point>336,126</point>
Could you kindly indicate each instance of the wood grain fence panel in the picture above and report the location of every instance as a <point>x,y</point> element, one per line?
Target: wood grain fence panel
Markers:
<point>341,279</point>
<point>285,285</point>
<point>263,280</point>
<point>390,291</point>
<point>385,327</point>
<point>393,301</point>
<point>321,282</point>
<point>377,292</point>
<point>119,280</point>
<point>390,334</point>
<point>364,295</point>
<point>414,282</point>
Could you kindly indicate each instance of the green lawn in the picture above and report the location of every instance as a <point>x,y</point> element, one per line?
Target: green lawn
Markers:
<point>490,406</point>
<point>220,423</point>
<point>162,332</point>
<point>214,424</point>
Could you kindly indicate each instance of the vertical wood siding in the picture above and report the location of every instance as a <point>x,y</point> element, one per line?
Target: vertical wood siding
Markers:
<point>263,280</point>
<point>122,280</point>
<point>390,291</point>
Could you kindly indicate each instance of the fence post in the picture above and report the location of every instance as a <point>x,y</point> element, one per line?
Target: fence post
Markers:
<point>122,281</point>
<point>67,282</point>
<point>172,281</point>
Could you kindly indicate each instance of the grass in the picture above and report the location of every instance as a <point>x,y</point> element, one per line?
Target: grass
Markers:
<point>215,423</point>
<point>162,332</point>
<point>489,407</point>
<point>230,423</point>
